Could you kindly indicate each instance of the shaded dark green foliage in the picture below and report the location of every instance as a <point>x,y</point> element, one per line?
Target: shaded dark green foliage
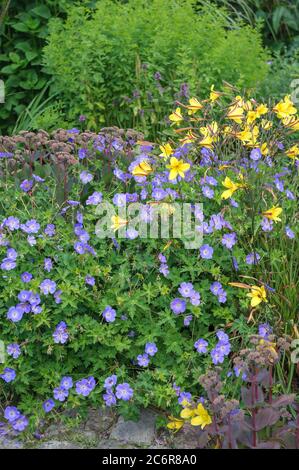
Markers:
<point>23,30</point>
<point>280,19</point>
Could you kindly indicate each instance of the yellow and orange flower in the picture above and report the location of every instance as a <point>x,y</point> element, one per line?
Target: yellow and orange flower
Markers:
<point>231,188</point>
<point>285,108</point>
<point>166,150</point>
<point>118,222</point>
<point>175,424</point>
<point>236,113</point>
<point>257,295</point>
<point>142,169</point>
<point>194,106</point>
<point>198,416</point>
<point>176,116</point>
<point>273,213</point>
<point>293,152</point>
<point>177,168</point>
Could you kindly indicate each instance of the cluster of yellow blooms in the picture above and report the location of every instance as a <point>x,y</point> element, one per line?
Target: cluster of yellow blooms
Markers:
<point>245,113</point>
<point>249,115</point>
<point>197,416</point>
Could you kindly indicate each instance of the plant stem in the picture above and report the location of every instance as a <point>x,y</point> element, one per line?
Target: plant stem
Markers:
<point>253,399</point>
<point>270,384</point>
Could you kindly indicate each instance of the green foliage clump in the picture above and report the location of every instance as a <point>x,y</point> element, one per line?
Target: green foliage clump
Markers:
<point>282,78</point>
<point>105,61</point>
<point>23,29</point>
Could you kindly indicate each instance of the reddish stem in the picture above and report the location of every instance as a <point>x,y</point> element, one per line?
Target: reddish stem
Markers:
<point>253,399</point>
<point>230,440</point>
<point>270,384</point>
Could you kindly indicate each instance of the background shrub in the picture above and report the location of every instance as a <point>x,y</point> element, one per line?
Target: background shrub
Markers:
<point>123,63</point>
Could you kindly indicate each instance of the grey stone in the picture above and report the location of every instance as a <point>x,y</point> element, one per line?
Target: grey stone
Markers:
<point>59,445</point>
<point>55,430</point>
<point>140,433</point>
<point>99,420</point>
<point>187,438</point>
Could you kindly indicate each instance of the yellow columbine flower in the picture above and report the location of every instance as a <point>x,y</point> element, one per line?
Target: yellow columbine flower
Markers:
<point>285,108</point>
<point>235,113</point>
<point>175,424</point>
<point>117,222</point>
<point>187,413</point>
<point>231,188</point>
<point>166,151</point>
<point>212,128</point>
<point>292,122</point>
<point>227,130</point>
<point>273,213</point>
<point>248,136</point>
<point>176,116</point>
<point>210,134</point>
<point>188,138</point>
<point>202,417</point>
<point>251,116</point>
<point>214,95</point>
<point>206,142</point>
<point>244,135</point>
<point>266,124</point>
<point>264,149</point>
<point>177,168</point>
<point>142,169</point>
<point>209,129</point>
<point>293,152</point>
<point>239,101</point>
<point>261,110</point>
<point>247,106</point>
<point>258,295</point>
<point>194,105</point>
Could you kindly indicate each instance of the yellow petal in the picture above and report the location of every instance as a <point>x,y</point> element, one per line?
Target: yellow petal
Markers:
<point>255,301</point>
<point>187,413</point>
<point>197,421</point>
<point>173,174</point>
<point>227,194</point>
<point>184,166</point>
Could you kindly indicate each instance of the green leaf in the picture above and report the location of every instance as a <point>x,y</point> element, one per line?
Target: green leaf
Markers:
<point>42,10</point>
<point>21,27</point>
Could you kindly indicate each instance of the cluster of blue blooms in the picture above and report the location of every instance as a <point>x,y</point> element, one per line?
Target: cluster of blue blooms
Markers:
<point>221,349</point>
<point>187,291</point>
<point>143,360</point>
<point>113,391</point>
<point>15,420</point>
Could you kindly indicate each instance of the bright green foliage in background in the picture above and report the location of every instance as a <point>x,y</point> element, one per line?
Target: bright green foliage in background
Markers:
<point>99,59</point>
<point>104,67</point>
